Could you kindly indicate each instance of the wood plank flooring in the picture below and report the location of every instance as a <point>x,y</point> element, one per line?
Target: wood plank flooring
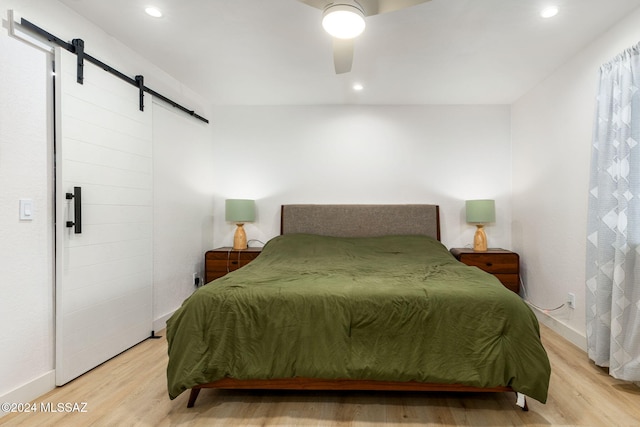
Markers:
<point>130,390</point>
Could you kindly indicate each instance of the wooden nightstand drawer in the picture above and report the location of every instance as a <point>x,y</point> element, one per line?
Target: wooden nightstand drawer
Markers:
<point>221,261</point>
<point>503,264</point>
<point>511,281</point>
<point>492,263</point>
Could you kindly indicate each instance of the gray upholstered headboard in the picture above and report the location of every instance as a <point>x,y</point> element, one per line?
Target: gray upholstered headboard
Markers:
<point>361,220</point>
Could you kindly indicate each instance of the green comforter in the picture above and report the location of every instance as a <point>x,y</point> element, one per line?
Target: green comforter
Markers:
<point>395,308</point>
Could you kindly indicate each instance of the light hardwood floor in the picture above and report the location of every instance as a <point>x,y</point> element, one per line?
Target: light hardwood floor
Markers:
<point>130,390</point>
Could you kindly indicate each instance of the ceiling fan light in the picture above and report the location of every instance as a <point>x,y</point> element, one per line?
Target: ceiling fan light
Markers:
<point>549,12</point>
<point>153,11</point>
<point>343,21</point>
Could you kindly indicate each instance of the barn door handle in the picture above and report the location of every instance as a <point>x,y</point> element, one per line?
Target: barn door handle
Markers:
<point>77,210</point>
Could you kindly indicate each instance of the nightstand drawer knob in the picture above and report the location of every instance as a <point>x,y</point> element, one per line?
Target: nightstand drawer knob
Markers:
<point>489,264</point>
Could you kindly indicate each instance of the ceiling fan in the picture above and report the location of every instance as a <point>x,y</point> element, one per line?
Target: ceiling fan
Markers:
<point>344,20</point>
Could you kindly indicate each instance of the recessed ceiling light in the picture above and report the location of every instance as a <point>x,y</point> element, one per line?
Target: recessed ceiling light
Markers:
<point>549,12</point>
<point>358,87</point>
<point>153,11</point>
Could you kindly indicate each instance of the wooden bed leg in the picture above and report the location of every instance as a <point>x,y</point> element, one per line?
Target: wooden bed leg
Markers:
<point>521,401</point>
<point>193,396</point>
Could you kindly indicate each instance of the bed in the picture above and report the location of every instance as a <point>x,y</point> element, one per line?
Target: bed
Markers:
<point>357,297</point>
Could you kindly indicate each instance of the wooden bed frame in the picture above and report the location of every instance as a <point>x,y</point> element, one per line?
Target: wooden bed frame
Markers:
<point>354,221</point>
<point>299,383</point>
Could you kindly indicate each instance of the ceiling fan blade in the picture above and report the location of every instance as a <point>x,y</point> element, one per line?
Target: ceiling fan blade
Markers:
<point>318,4</point>
<point>384,6</point>
<point>342,55</point>
<point>369,7</point>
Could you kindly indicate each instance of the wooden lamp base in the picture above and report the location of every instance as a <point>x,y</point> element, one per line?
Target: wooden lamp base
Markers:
<point>240,238</point>
<point>480,239</point>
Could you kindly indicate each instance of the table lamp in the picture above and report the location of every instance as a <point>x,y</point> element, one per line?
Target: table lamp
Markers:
<point>240,211</point>
<point>480,212</point>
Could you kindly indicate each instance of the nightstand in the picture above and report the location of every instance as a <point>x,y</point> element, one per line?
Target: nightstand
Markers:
<point>221,261</point>
<point>503,264</point>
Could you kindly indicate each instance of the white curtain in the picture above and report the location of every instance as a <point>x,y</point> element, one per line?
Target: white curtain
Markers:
<point>613,248</point>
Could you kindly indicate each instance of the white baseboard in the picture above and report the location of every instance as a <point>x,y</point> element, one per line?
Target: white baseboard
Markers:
<point>31,390</point>
<point>161,322</point>
<point>565,331</point>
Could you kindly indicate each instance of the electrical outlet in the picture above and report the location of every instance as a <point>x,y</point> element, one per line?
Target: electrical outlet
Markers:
<point>571,300</point>
<point>196,280</point>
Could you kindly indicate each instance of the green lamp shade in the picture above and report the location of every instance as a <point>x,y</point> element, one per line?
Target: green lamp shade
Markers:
<point>240,210</point>
<point>481,211</point>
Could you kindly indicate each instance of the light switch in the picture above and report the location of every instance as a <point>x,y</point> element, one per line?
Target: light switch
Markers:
<point>26,209</point>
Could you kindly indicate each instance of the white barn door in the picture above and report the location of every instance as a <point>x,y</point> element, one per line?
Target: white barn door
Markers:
<point>103,268</point>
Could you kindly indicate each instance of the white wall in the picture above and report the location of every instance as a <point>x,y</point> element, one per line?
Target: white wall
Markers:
<point>363,154</point>
<point>552,129</point>
<point>181,172</point>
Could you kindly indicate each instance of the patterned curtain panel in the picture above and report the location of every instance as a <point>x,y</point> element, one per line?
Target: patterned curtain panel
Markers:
<point>613,248</point>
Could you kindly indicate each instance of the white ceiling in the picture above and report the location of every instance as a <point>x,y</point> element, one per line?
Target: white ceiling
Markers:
<point>273,52</point>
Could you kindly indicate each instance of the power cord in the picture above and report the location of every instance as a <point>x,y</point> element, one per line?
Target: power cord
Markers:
<point>526,298</point>
<point>239,254</point>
